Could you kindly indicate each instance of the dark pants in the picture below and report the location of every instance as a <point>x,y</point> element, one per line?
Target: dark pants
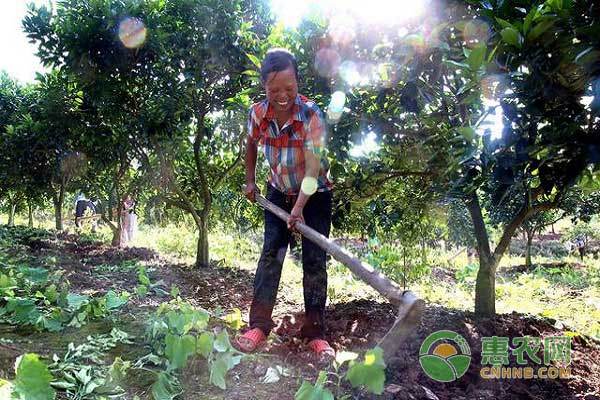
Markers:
<point>317,215</point>
<point>79,211</point>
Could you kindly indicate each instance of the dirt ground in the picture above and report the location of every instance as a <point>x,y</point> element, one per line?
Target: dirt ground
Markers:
<point>352,326</point>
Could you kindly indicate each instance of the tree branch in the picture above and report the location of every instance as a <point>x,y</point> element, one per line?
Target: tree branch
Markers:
<point>518,220</point>
<point>238,162</point>
<point>481,235</point>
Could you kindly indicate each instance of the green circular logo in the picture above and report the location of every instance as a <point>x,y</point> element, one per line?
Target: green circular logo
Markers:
<point>444,361</point>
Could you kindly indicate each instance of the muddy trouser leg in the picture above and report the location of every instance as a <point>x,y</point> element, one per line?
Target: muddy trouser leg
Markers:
<point>268,273</point>
<point>317,215</point>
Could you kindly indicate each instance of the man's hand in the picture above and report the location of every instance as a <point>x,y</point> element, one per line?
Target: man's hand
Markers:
<point>295,216</point>
<point>250,190</point>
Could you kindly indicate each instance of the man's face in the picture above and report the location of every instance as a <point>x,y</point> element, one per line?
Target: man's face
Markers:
<point>282,89</point>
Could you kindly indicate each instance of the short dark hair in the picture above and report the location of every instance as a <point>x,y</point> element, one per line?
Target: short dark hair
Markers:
<point>276,60</point>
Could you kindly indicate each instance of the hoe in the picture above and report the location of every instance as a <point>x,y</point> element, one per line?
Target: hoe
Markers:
<point>410,308</point>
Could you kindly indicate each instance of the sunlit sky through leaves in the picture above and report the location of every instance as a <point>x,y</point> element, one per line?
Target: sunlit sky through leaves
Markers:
<point>17,55</point>
<point>19,60</point>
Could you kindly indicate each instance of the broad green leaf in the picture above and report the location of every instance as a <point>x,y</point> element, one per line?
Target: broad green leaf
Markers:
<point>369,373</point>
<point>254,60</point>
<point>467,132</point>
<point>476,57</point>
<point>204,344</point>
<point>51,293</point>
<point>143,277</point>
<point>179,349</point>
<point>505,24</point>
<point>234,319</point>
<point>529,19</point>
<point>174,291</point>
<point>7,282</point>
<point>115,301</point>
<point>116,374</point>
<point>222,343</point>
<point>52,324</point>
<point>166,387</point>
<point>33,379</point>
<point>457,64</point>
<point>316,392</point>
<point>219,367</point>
<point>75,301</point>
<point>540,28</point>
<point>512,37</point>
<point>36,275</point>
<point>24,310</point>
<point>218,370</point>
<point>180,322</point>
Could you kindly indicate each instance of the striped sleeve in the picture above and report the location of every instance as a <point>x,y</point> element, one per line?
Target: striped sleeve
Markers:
<point>253,128</point>
<point>315,132</point>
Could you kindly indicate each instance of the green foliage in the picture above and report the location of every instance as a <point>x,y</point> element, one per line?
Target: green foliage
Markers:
<point>178,331</point>
<point>82,371</point>
<point>400,263</point>
<point>370,372</point>
<point>35,296</point>
<point>32,381</point>
<point>467,273</point>
<point>563,275</point>
<point>316,391</point>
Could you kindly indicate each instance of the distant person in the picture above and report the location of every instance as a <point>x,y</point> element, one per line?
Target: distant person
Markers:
<point>81,205</point>
<point>580,245</point>
<point>128,221</point>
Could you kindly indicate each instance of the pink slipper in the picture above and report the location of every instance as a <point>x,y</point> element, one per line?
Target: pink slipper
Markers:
<point>249,341</point>
<point>321,348</point>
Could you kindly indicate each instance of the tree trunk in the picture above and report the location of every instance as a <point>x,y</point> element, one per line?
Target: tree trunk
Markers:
<point>116,239</point>
<point>30,214</point>
<point>202,256</point>
<point>58,200</point>
<point>528,249</point>
<point>58,216</point>
<point>11,214</point>
<point>485,287</point>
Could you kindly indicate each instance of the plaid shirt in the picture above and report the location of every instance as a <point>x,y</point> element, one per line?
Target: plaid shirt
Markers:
<point>284,148</point>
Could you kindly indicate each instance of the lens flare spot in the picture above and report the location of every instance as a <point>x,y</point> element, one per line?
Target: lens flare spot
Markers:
<point>476,31</point>
<point>327,62</point>
<point>349,73</point>
<point>309,185</point>
<point>492,86</point>
<point>336,107</point>
<point>445,350</point>
<point>338,101</point>
<point>342,29</point>
<point>132,32</point>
